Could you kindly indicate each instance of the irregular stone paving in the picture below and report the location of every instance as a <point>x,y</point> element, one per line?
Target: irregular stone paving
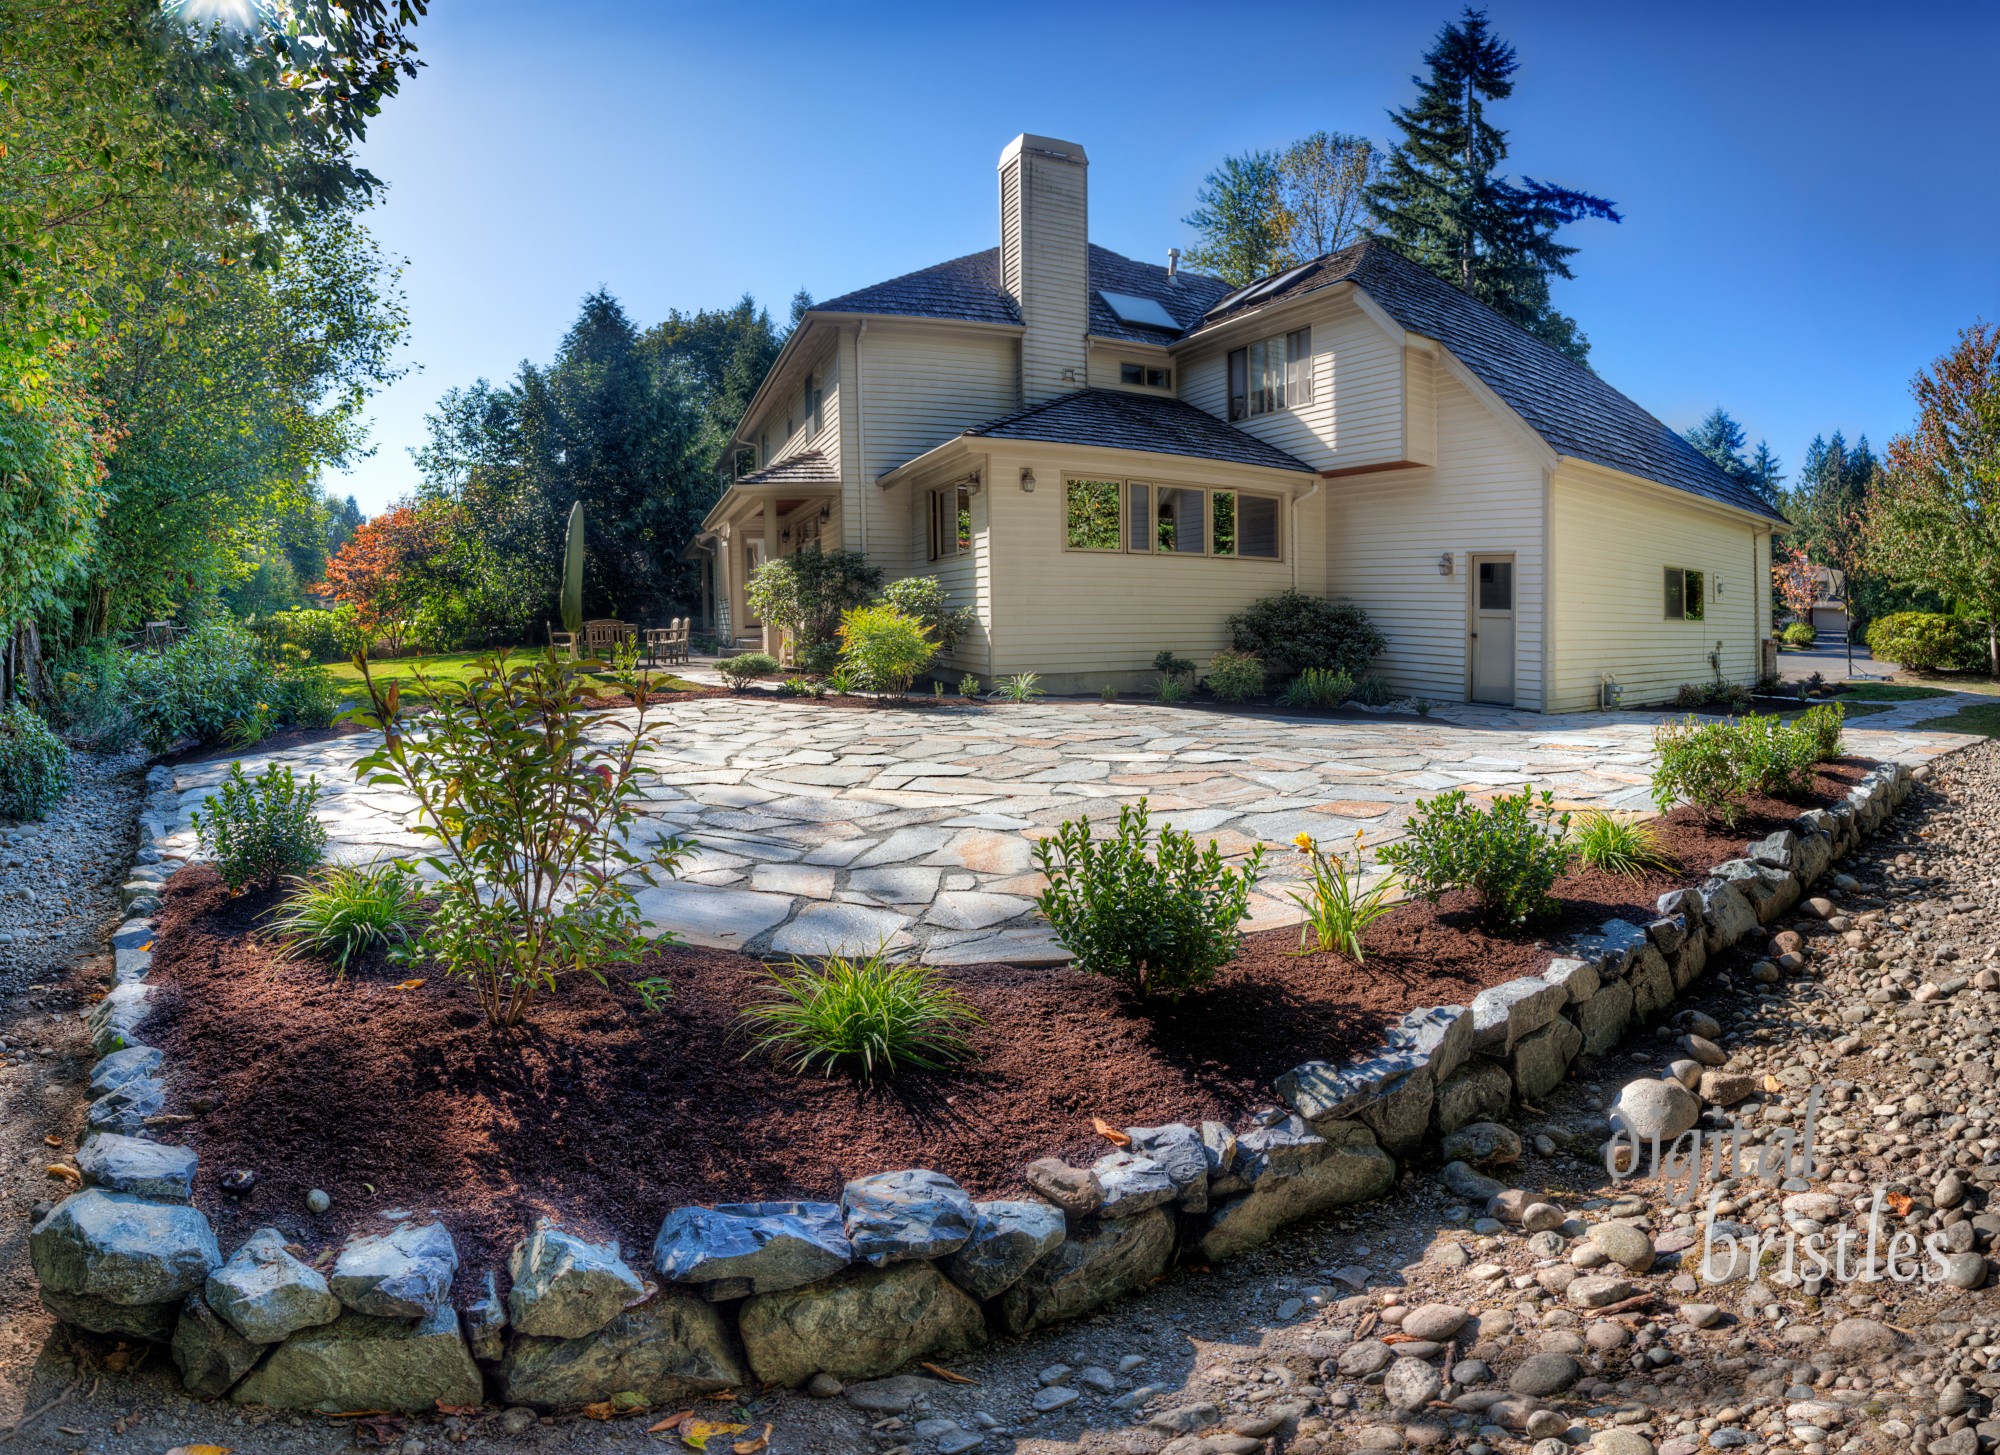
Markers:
<point>827,830</point>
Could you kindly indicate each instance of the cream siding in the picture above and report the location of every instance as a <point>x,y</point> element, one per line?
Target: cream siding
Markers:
<point>1613,540</point>
<point>967,577</point>
<point>1419,405</point>
<point>1107,361</point>
<point>787,407</point>
<point>1387,531</point>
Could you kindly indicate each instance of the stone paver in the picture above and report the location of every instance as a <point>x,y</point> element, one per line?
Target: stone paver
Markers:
<point>825,830</point>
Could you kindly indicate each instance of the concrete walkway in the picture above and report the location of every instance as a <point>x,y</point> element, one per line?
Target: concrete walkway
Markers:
<point>836,829</point>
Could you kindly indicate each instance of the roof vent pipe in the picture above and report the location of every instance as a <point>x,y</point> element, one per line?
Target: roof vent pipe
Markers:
<point>1173,262</point>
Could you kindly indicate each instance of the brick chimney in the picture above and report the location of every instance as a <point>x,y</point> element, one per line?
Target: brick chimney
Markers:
<point>1045,259</point>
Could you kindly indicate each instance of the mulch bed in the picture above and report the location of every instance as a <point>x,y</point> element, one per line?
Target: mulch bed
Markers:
<point>606,1115</point>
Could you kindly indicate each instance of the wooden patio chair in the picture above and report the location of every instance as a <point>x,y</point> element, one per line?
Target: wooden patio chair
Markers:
<point>602,635</point>
<point>561,641</point>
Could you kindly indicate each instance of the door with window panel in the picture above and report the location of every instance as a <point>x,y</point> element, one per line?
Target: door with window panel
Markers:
<point>1493,630</point>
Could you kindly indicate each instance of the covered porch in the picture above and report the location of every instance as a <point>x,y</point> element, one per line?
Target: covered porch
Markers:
<point>762,516</point>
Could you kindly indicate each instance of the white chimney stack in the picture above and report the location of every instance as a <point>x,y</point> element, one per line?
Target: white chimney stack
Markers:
<point>1045,259</point>
<point>1173,262</point>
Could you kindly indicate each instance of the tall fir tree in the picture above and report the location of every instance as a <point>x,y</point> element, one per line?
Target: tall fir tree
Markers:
<point>1443,200</point>
<point>1722,439</point>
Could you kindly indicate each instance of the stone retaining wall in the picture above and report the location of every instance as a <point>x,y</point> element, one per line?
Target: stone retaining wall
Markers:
<point>905,1265</point>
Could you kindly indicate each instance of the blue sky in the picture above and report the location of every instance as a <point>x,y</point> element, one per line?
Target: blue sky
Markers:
<point>1810,205</point>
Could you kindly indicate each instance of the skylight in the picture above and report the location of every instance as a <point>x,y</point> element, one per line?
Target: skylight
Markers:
<point>1145,312</point>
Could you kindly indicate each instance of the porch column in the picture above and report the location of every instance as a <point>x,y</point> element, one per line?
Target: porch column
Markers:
<point>729,611</point>
<point>771,633</point>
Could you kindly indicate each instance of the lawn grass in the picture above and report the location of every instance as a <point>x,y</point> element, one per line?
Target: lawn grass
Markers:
<point>448,667</point>
<point>1887,692</point>
<point>1982,720</point>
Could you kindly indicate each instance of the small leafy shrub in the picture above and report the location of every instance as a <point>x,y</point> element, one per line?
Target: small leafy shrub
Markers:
<point>1777,758</point>
<point>1423,706</point>
<point>34,765</point>
<point>1616,845</point>
<point>210,680</point>
<point>1157,915</point>
<point>1927,641</point>
<point>888,647</point>
<point>87,697</point>
<point>1235,676</point>
<point>1292,631</point>
<point>1699,763</point>
<point>796,686</point>
<point>746,667</point>
<point>348,911</point>
<point>261,830</point>
<point>305,696</point>
<point>1172,689</point>
<point>1715,696</point>
<point>1107,693</point>
<point>1823,725</point>
<point>1373,691</point>
<point>1800,634</point>
<point>1338,910</point>
<point>529,789</point>
<point>844,681</point>
<point>925,598</point>
<point>1318,687</point>
<point>806,592</point>
<point>1021,687</point>
<point>968,686</point>
<point>868,1017</point>
<point>1168,664</point>
<point>1509,855</point>
<point>818,659</point>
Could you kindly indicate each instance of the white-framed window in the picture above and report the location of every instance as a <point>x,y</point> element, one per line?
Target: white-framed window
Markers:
<point>815,403</point>
<point>1142,517</point>
<point>1150,376</point>
<point>951,522</point>
<point>1271,374</point>
<point>1686,594</point>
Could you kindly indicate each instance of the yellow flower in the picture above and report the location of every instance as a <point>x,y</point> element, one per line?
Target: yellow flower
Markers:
<point>1305,843</point>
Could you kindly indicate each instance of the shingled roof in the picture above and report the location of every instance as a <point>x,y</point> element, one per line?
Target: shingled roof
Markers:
<point>1571,408</point>
<point>1119,420</point>
<point>808,467</point>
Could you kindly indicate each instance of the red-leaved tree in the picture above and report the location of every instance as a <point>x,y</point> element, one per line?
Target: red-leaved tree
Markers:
<point>380,570</point>
<point>1797,581</point>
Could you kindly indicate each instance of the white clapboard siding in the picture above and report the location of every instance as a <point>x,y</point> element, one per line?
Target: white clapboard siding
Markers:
<point>1387,531</point>
<point>967,577</point>
<point>1614,539</point>
<point>787,406</point>
<point>1106,368</point>
<point>1051,279</point>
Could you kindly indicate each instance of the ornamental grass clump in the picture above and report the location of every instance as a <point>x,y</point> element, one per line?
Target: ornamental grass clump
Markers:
<point>867,1016</point>
<point>530,792</point>
<point>1617,844</point>
<point>1509,854</point>
<point>261,830</point>
<point>348,911</point>
<point>1154,913</point>
<point>1021,687</point>
<point>1318,687</point>
<point>1339,905</point>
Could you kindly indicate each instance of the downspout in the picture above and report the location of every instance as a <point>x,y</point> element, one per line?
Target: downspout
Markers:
<point>861,432</point>
<point>1293,543</point>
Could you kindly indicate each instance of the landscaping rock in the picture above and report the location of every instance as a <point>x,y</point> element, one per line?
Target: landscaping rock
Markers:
<point>863,1323</point>
<point>114,1020</point>
<point>1727,913</point>
<point>210,1355</point>
<point>1475,1093</point>
<point>485,1321</point>
<point>1652,983</point>
<point>126,1108</point>
<point>1352,1169</point>
<point>120,1067</point>
<point>1727,1088</point>
<point>1623,1244</point>
<point>1651,1108</point>
<point>894,1217</point>
<point>1400,1117</point>
<point>1436,1039</point>
<point>1503,1014</point>
<point>266,1294</point>
<point>1280,1146</point>
<point>1541,1058</point>
<point>153,1321</point>
<point>672,1347</point>
<point>771,1245</point>
<point>1178,1149</point>
<point>1007,1239</point>
<point>1603,1017</point>
<point>564,1288</point>
<point>1131,1184</point>
<point>132,1164</point>
<point>1088,1271</point>
<point>1483,1144</point>
<point>1435,1321</point>
<point>362,1362</point>
<point>1411,1384</point>
<point>123,1249</point>
<point>402,1274</point>
<point>1073,1189</point>
<point>1545,1374</point>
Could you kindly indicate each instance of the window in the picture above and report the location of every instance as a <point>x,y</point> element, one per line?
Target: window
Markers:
<point>1257,527</point>
<point>1222,511</point>
<point>815,404</point>
<point>1496,585</point>
<point>1171,520</point>
<point>1271,374</point>
<point>1092,507</point>
<point>1180,520</point>
<point>1145,374</point>
<point>1687,598</point>
<point>951,522</point>
<point>1139,499</point>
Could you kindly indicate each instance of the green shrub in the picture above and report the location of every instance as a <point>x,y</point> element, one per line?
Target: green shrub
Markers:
<point>1699,763</point>
<point>1778,758</point>
<point>87,698</point>
<point>1373,691</point>
<point>1292,631</point>
<point>802,687</point>
<point>1159,917</point>
<point>1509,855</point>
<point>209,681</point>
<point>1714,696</point>
<point>1235,677</point>
<point>1021,687</point>
<point>1338,910</point>
<point>1823,724</point>
<point>324,636</point>
<point>1799,634</point>
<point>1172,688</point>
<point>925,598</point>
<point>347,911</point>
<point>888,647</point>
<point>530,791</point>
<point>806,592</point>
<point>1168,664</point>
<point>968,686</point>
<point>261,830</point>
<point>1618,845</point>
<point>305,696</point>
<point>867,1016</point>
<point>845,681</point>
<point>1928,641</point>
<point>741,670</point>
<point>1318,687</point>
<point>34,764</point>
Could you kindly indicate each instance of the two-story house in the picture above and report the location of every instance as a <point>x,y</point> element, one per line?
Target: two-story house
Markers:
<point>1105,458</point>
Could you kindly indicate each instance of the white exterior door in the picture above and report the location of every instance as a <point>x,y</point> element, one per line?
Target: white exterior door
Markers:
<point>1492,642</point>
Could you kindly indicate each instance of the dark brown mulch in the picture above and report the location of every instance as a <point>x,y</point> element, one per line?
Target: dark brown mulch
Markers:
<point>608,1115</point>
<point>277,742</point>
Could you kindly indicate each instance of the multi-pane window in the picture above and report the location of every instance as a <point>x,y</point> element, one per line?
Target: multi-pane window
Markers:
<point>1271,374</point>
<point>1171,520</point>
<point>1687,594</point>
<point>1145,374</point>
<point>951,522</point>
<point>815,404</point>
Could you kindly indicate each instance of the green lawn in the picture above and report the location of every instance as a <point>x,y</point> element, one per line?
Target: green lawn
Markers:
<point>446,667</point>
<point>1981,721</point>
<point>1887,692</point>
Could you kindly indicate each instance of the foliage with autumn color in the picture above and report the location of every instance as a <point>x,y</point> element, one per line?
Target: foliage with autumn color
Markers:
<point>1796,581</point>
<point>383,570</point>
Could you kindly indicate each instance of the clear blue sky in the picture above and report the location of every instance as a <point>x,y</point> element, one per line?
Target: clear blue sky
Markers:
<point>1810,198</point>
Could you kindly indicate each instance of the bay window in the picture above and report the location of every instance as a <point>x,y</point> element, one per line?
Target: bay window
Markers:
<point>1140,517</point>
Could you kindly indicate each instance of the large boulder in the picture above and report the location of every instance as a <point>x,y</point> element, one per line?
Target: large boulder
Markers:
<point>359,1362</point>
<point>669,1348</point>
<point>1604,1016</point>
<point>895,1217</point>
<point>1477,1092</point>
<point>1088,1271</point>
<point>1007,1239</point>
<point>1354,1169</point>
<point>1502,1014</point>
<point>1178,1149</point>
<point>1131,1184</point>
<point>266,1294</point>
<point>1541,1059</point>
<point>765,1247</point>
<point>153,1321</point>
<point>402,1274</point>
<point>135,1165</point>
<point>564,1287</point>
<point>1650,1108</point>
<point>123,1249</point>
<point>861,1324</point>
<point>210,1355</point>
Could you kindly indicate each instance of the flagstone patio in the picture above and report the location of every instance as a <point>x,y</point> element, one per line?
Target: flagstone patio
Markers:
<point>825,830</point>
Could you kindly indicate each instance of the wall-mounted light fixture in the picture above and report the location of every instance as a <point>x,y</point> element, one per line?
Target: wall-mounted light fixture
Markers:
<point>1718,585</point>
<point>1027,480</point>
<point>825,511</point>
<point>1444,564</point>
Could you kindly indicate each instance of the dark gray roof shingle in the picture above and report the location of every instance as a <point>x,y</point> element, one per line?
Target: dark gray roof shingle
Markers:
<point>1185,296</point>
<point>808,467</point>
<point>1570,407</point>
<point>1122,421</point>
<point>965,288</point>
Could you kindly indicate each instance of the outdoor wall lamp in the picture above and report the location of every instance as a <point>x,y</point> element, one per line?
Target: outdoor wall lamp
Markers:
<point>1027,480</point>
<point>1444,564</point>
<point>825,512</point>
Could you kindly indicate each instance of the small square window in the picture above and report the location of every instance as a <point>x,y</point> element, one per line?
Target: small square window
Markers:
<point>1131,373</point>
<point>1686,594</point>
